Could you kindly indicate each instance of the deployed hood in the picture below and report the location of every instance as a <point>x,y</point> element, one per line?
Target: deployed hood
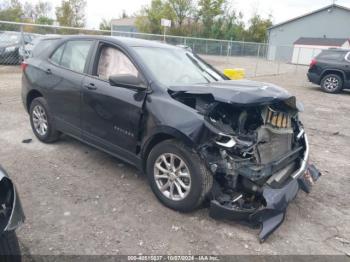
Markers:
<point>240,92</point>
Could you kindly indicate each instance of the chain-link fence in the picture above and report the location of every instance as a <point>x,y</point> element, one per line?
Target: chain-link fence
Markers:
<point>17,41</point>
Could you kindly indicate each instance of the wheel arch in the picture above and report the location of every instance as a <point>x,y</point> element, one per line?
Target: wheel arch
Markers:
<point>165,133</point>
<point>333,71</point>
<point>31,96</point>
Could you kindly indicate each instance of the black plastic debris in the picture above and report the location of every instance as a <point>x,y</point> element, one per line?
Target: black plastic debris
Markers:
<point>27,141</point>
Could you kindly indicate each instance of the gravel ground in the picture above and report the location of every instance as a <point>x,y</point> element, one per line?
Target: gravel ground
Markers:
<point>79,200</point>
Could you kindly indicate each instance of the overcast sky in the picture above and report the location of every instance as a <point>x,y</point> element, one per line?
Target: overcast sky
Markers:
<point>281,10</point>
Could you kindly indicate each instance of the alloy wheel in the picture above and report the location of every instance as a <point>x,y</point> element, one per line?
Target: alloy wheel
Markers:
<point>40,120</point>
<point>172,176</point>
<point>331,83</point>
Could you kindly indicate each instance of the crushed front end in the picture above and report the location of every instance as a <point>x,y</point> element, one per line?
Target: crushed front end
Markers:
<point>259,160</point>
<point>258,154</point>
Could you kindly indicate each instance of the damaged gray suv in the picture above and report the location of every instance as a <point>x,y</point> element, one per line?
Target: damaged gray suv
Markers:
<point>238,145</point>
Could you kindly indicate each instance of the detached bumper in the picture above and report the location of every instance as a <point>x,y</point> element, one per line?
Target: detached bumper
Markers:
<point>271,215</point>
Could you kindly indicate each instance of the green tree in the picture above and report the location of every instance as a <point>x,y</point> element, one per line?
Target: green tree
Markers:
<point>11,11</point>
<point>209,10</point>
<point>150,16</point>
<point>44,20</point>
<point>233,26</point>
<point>211,19</point>
<point>38,13</point>
<point>71,13</point>
<point>105,24</point>
<point>257,30</point>
<point>183,9</point>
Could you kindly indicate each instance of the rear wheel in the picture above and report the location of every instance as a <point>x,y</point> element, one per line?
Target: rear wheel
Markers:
<point>41,121</point>
<point>9,247</point>
<point>332,83</point>
<point>177,175</point>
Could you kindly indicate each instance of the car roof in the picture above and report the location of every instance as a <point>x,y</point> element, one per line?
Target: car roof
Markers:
<point>336,50</point>
<point>128,41</point>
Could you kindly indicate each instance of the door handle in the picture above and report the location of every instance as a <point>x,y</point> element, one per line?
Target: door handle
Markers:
<point>90,86</point>
<point>48,71</point>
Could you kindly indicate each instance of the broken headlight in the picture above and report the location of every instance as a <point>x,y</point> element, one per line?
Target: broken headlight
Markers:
<point>226,141</point>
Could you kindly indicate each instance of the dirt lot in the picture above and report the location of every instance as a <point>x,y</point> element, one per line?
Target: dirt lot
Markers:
<point>79,200</point>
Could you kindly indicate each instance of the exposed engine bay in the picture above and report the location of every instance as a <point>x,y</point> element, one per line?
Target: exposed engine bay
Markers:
<point>257,154</point>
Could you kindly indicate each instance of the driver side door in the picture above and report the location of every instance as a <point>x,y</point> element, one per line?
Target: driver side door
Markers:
<point>111,115</point>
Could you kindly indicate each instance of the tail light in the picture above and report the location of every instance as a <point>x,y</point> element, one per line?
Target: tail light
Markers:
<point>24,66</point>
<point>313,63</point>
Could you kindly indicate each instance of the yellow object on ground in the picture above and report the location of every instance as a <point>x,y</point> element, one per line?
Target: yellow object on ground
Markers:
<point>234,73</point>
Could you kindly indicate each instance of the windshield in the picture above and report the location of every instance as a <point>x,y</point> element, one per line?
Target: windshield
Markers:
<point>6,38</point>
<point>172,66</point>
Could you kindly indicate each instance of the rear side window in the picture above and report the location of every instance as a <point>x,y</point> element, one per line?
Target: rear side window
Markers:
<point>42,45</point>
<point>57,55</point>
<point>329,55</point>
<point>72,55</point>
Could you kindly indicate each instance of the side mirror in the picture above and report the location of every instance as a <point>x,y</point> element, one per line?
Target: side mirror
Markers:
<point>127,81</point>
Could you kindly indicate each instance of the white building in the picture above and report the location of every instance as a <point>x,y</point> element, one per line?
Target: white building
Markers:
<point>306,48</point>
<point>332,21</point>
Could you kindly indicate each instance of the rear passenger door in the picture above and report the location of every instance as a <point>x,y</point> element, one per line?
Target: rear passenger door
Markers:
<point>65,71</point>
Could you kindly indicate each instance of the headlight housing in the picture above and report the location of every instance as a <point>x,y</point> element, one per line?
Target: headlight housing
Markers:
<point>10,49</point>
<point>225,140</point>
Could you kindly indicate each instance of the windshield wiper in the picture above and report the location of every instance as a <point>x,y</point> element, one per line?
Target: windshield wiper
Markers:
<point>201,68</point>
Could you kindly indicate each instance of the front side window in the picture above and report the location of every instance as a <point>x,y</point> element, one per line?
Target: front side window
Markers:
<point>73,55</point>
<point>114,62</point>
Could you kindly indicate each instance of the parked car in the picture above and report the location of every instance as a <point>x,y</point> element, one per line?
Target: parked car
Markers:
<point>195,133</point>
<point>26,51</point>
<point>331,70</point>
<point>11,217</point>
<point>10,43</point>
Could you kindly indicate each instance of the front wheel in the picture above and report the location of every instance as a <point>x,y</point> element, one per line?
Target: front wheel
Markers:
<point>9,247</point>
<point>332,83</point>
<point>177,175</point>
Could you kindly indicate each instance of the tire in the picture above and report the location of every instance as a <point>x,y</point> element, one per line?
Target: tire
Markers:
<point>332,83</point>
<point>9,247</point>
<point>50,134</point>
<point>198,180</point>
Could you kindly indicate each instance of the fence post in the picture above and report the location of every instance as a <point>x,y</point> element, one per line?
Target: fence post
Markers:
<point>278,66</point>
<point>296,65</point>
<point>228,48</point>
<point>22,38</point>
<point>206,47</point>
<point>257,61</point>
